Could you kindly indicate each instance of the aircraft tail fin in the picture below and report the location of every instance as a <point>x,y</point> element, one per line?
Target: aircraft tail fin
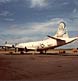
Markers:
<point>61,33</point>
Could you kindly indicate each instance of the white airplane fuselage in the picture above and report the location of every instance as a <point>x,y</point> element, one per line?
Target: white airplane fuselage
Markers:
<point>38,44</point>
<point>45,44</point>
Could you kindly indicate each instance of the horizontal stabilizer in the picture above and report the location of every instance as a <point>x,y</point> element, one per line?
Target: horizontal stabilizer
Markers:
<point>55,38</point>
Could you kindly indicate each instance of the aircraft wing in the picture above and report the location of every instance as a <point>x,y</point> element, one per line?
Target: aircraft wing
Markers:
<point>8,46</point>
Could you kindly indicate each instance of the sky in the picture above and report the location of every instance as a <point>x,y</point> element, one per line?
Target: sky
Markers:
<point>30,20</point>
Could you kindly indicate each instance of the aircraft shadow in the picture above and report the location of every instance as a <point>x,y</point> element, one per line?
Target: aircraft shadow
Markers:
<point>32,54</point>
<point>66,54</point>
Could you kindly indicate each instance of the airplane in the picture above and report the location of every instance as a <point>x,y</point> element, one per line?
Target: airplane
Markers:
<point>59,39</point>
<point>7,46</point>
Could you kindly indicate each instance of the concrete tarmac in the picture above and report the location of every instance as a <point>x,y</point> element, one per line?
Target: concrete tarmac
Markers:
<point>38,67</point>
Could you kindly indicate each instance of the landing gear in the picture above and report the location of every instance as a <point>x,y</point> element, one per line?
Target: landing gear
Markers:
<point>43,52</point>
<point>15,50</point>
<point>21,52</point>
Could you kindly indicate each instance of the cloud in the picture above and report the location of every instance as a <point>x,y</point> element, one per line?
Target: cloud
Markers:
<point>75,10</point>
<point>7,1</point>
<point>38,3</point>
<point>73,18</point>
<point>34,27</point>
<point>30,31</point>
<point>65,3</point>
<point>5,13</point>
<point>76,2</point>
<point>4,1</point>
<point>9,19</point>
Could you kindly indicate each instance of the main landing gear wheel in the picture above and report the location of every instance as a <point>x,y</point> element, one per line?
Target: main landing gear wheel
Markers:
<point>43,52</point>
<point>21,52</point>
